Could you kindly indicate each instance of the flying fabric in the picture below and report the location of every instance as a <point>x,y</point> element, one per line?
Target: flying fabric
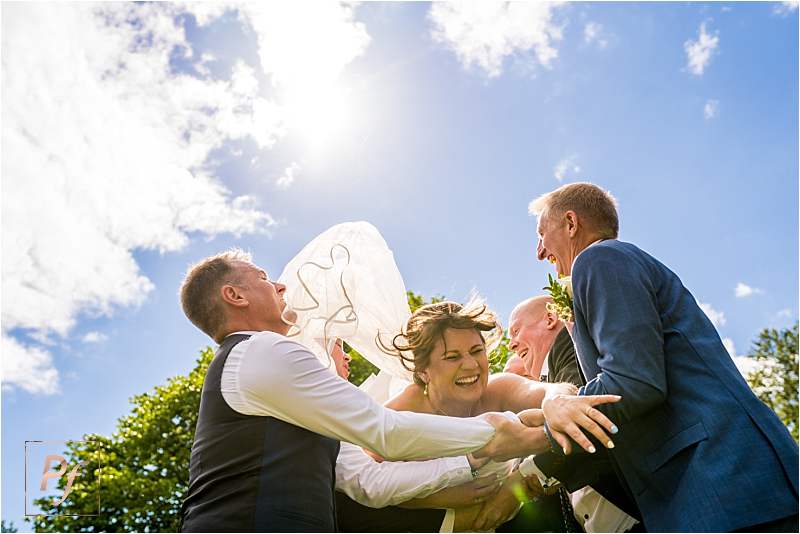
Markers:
<point>345,284</point>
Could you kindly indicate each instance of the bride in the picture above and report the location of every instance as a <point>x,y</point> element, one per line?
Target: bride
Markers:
<point>450,369</point>
<point>345,285</point>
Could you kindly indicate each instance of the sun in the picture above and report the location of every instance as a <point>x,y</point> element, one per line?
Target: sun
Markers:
<point>319,116</point>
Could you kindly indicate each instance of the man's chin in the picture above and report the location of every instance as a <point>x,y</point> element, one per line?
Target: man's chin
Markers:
<point>289,316</point>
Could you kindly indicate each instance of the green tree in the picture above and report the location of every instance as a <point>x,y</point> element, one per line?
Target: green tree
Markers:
<point>7,527</point>
<point>145,464</point>
<point>775,379</point>
<point>499,355</point>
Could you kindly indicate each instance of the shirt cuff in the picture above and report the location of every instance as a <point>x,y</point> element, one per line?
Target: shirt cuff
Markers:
<point>528,468</point>
<point>460,470</point>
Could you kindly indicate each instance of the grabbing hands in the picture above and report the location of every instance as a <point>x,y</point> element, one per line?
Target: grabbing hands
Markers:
<point>505,504</point>
<point>568,416</point>
<point>512,439</point>
<point>467,494</point>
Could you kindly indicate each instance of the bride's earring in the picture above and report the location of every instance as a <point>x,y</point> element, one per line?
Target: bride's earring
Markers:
<point>425,390</point>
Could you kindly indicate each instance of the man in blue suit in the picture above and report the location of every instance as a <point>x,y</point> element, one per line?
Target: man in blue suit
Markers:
<point>696,448</point>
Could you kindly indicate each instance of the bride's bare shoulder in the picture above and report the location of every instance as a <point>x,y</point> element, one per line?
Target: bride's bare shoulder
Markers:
<point>408,400</point>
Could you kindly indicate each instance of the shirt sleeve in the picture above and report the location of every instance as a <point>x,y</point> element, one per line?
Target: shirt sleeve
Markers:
<point>380,484</point>
<point>280,378</point>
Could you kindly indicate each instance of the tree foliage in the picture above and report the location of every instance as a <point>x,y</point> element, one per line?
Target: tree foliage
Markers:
<point>145,464</point>
<point>499,355</point>
<point>775,380</point>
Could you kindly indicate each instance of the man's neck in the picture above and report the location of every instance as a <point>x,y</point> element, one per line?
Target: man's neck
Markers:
<point>233,328</point>
<point>584,243</point>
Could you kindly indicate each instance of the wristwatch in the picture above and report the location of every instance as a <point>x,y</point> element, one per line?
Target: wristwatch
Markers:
<point>529,468</point>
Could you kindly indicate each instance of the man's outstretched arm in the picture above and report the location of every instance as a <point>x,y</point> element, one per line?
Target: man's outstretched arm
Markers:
<point>617,302</point>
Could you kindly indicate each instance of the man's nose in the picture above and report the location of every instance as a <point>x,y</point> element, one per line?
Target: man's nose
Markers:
<point>513,345</point>
<point>541,252</point>
<point>280,288</point>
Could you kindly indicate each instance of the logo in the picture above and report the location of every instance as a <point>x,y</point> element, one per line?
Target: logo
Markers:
<point>51,476</point>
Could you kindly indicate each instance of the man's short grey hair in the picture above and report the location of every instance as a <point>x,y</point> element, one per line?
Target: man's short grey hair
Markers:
<point>595,205</point>
<point>199,292</point>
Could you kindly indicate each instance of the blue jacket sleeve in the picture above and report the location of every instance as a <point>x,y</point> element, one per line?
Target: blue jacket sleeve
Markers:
<point>615,298</point>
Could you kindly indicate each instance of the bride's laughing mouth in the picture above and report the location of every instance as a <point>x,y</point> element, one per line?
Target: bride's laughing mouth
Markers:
<point>467,381</point>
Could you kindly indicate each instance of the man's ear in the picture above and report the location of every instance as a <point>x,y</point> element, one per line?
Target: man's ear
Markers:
<point>232,295</point>
<point>551,320</point>
<point>572,222</point>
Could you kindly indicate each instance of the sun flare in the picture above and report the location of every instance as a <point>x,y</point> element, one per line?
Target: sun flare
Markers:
<point>318,116</point>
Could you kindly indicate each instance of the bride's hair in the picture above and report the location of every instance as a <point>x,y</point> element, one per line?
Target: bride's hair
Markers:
<point>428,324</point>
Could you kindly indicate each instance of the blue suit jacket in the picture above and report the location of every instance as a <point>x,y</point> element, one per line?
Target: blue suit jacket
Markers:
<point>696,447</point>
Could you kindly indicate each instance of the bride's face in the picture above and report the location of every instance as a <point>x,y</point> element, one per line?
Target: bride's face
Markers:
<point>458,370</point>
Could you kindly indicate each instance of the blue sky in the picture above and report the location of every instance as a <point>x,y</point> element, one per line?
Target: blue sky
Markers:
<point>138,139</point>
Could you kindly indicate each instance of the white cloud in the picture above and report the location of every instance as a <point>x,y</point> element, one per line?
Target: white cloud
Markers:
<point>785,8</point>
<point>743,290</point>
<point>28,368</point>
<point>717,318</point>
<point>592,33</point>
<point>322,41</point>
<point>743,363</point>
<point>710,109</point>
<point>304,52</point>
<point>565,167</point>
<point>729,346</point>
<point>785,313</point>
<point>699,52</point>
<point>94,337</point>
<point>287,178</point>
<point>484,34</point>
<point>104,150</point>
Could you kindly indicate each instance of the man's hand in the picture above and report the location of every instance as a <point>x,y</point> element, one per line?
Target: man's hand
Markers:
<point>477,463</point>
<point>466,494</point>
<point>512,439</point>
<point>533,417</point>
<point>504,505</point>
<point>566,415</point>
<point>533,488</point>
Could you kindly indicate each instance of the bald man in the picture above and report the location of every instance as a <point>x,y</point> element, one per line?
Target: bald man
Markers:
<point>538,335</point>
<point>600,503</point>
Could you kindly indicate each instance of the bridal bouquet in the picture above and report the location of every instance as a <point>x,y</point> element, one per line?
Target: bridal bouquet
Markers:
<point>560,290</point>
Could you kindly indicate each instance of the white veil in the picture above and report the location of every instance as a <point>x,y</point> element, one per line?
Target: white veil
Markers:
<point>345,284</point>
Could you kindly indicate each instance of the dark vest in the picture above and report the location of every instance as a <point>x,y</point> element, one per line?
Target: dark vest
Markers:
<point>255,473</point>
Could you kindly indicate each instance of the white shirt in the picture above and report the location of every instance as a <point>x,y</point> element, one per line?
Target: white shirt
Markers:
<point>382,484</point>
<point>271,375</point>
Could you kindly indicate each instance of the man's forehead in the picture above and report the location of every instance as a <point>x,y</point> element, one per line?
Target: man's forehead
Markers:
<point>527,310</point>
<point>246,266</point>
<point>541,219</point>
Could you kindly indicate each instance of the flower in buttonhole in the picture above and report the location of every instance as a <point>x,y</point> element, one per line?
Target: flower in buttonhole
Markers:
<point>566,283</point>
<point>561,292</point>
